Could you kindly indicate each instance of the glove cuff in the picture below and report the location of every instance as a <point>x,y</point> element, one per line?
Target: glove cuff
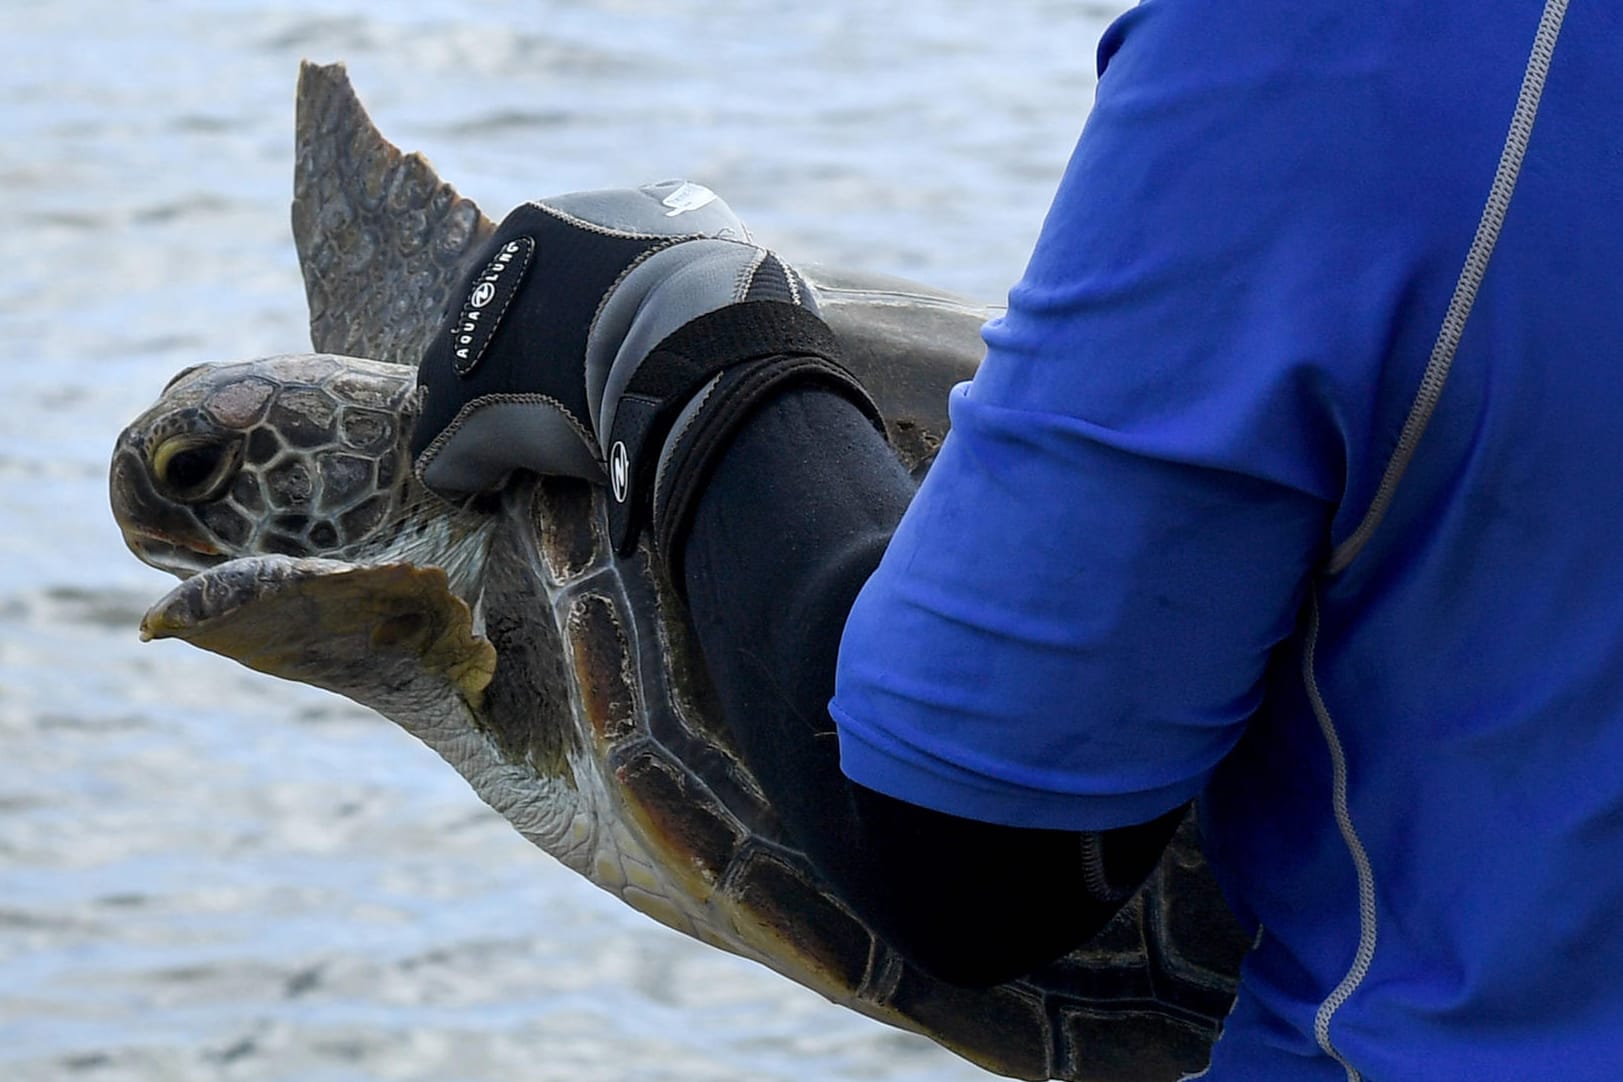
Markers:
<point>689,396</point>
<point>706,427</point>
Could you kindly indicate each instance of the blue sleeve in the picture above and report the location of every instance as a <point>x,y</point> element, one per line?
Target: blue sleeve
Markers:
<point>1073,621</point>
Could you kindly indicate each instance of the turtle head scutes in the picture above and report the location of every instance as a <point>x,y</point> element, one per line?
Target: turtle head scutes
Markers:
<point>296,455</point>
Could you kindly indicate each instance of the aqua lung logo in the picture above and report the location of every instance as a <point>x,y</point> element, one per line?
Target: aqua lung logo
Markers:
<point>619,471</point>
<point>688,197</point>
<point>488,297</point>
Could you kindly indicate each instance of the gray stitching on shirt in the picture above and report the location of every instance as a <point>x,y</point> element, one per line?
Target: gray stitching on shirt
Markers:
<point>1431,387</point>
<point>1365,954</point>
<point>1470,281</point>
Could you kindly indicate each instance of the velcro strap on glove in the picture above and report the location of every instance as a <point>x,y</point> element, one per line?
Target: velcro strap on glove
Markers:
<point>733,357</point>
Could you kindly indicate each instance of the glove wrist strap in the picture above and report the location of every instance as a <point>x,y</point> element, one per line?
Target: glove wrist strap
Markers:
<point>713,371</point>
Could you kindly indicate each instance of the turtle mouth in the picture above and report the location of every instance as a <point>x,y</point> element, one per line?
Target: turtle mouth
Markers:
<point>180,559</point>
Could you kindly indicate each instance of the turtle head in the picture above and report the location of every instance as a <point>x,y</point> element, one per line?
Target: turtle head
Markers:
<point>299,455</point>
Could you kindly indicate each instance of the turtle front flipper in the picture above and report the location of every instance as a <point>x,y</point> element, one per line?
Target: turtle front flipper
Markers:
<point>382,240</point>
<point>392,637</point>
<point>388,636</point>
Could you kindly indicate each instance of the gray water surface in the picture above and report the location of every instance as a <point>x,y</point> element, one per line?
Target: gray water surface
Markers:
<point>207,874</point>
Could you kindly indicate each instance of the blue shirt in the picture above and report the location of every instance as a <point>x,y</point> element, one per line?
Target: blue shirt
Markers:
<point>1198,529</point>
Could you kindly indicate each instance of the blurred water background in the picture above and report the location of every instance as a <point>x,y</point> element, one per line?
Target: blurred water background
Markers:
<point>205,874</point>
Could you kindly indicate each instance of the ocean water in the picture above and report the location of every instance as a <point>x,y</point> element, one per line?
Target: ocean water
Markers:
<point>207,874</point>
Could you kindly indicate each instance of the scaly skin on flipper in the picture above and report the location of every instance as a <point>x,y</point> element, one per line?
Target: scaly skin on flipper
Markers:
<point>382,240</point>
<point>596,734</point>
<point>364,632</point>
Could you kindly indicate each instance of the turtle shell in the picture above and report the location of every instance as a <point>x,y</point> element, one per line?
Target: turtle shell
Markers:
<point>597,678</point>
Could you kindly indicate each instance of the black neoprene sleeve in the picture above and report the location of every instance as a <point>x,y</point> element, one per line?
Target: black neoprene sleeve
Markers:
<point>791,521</point>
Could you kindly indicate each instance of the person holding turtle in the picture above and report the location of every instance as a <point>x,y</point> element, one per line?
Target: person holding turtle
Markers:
<point>1284,488</point>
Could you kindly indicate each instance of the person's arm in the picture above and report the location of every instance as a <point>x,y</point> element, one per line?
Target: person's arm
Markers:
<point>790,524</point>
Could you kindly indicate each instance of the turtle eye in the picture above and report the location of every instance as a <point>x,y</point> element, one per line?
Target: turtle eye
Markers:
<point>193,469</point>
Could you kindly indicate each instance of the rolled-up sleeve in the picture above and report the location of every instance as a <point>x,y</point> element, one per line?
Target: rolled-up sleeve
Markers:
<point>1065,632</point>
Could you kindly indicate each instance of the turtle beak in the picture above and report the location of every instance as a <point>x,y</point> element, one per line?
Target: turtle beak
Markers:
<point>179,560</point>
<point>161,533</point>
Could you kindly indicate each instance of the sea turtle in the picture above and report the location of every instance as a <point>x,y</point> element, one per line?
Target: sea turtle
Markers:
<point>560,680</point>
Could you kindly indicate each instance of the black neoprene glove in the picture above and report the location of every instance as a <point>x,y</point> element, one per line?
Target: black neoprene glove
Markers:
<point>618,336</point>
